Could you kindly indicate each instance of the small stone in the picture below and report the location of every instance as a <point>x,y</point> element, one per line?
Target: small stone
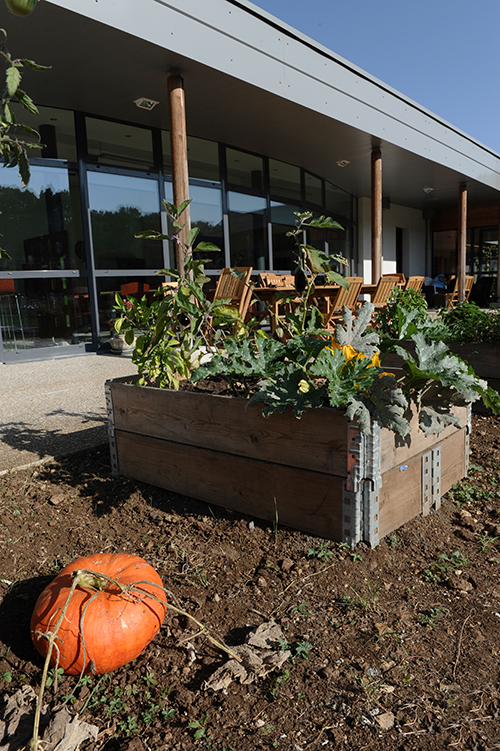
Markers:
<point>216,597</point>
<point>287,564</point>
<point>385,721</point>
<point>261,582</point>
<point>57,498</point>
<point>251,526</point>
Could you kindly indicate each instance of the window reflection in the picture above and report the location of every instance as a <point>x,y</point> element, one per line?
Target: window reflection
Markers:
<point>118,144</point>
<point>337,201</point>
<point>57,132</point>
<point>44,313</point>
<point>41,224</point>
<point>120,207</point>
<point>283,221</point>
<point>245,170</point>
<point>203,157</point>
<point>314,189</point>
<point>284,180</point>
<point>248,230</point>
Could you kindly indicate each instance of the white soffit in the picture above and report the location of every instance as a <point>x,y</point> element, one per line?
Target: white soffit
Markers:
<point>241,40</point>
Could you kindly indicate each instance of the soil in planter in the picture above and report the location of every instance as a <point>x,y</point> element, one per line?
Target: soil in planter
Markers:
<point>394,648</point>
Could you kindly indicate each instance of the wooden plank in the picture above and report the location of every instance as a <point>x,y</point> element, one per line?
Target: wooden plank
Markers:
<point>309,501</point>
<point>396,451</point>
<point>400,498</point>
<point>452,460</point>
<point>318,441</point>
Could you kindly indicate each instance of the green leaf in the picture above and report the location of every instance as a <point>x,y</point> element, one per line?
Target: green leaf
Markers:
<point>29,130</point>
<point>192,235</point>
<point>325,222</point>
<point>24,168</point>
<point>26,101</point>
<point>151,233</point>
<point>32,64</point>
<point>13,77</point>
<point>183,206</point>
<point>207,247</point>
<point>356,332</point>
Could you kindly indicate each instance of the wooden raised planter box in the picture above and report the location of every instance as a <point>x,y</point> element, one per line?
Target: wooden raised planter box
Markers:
<point>319,474</point>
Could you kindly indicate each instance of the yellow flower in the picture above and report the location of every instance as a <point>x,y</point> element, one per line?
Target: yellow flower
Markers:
<point>304,386</point>
<point>350,353</point>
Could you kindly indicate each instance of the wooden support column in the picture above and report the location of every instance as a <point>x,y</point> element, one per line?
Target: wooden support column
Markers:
<point>462,238</point>
<point>178,148</point>
<point>376,199</point>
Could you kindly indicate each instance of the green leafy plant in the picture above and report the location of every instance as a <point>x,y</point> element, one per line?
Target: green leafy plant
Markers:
<point>184,335</point>
<point>466,322</point>
<point>181,328</point>
<point>405,314</point>
<point>485,541</point>
<point>311,264</point>
<point>13,147</point>
<point>323,552</point>
<point>429,619</point>
<point>438,570</point>
<point>199,727</point>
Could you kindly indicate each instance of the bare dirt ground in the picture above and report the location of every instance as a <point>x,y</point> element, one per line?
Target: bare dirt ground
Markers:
<point>394,648</point>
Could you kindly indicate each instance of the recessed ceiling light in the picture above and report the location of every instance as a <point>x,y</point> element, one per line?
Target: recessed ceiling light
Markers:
<point>342,163</point>
<point>144,103</point>
<point>428,190</point>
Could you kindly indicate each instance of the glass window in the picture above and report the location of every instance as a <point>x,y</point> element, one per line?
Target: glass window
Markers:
<point>445,252</point>
<point>40,225</point>
<point>284,247</point>
<point>245,170</point>
<point>314,189</point>
<point>337,201</point>
<point>488,257</point>
<point>206,214</point>
<point>119,145</point>
<point>247,230</point>
<point>44,313</point>
<point>284,180</point>
<point>203,158</point>
<point>120,207</point>
<point>57,132</point>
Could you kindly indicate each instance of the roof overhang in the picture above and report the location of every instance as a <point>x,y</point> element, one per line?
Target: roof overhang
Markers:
<point>251,82</point>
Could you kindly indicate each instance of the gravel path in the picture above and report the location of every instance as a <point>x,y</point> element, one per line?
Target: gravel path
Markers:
<point>54,407</point>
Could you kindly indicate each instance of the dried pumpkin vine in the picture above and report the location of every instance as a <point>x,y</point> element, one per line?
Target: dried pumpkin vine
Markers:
<point>89,579</point>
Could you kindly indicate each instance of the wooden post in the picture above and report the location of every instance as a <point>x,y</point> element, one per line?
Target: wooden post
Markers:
<point>178,148</point>
<point>376,199</point>
<point>462,238</point>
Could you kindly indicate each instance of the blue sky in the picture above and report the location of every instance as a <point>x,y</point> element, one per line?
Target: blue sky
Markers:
<point>441,53</point>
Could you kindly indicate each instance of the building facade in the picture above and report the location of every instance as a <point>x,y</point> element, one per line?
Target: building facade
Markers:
<point>276,124</point>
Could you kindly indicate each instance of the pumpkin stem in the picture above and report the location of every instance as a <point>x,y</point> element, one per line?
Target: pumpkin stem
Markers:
<point>51,637</point>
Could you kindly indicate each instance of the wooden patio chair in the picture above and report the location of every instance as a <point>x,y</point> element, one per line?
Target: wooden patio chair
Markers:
<point>384,288</point>
<point>235,289</point>
<point>269,279</point>
<point>452,297</point>
<point>399,276</point>
<point>415,282</point>
<point>345,298</point>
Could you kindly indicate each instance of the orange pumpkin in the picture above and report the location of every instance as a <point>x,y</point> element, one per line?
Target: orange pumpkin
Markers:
<point>117,626</point>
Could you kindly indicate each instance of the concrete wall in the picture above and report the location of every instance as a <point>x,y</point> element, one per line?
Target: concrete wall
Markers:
<point>413,226</point>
